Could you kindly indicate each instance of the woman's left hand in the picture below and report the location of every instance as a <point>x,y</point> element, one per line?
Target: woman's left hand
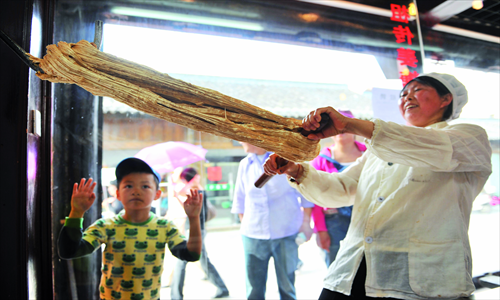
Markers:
<point>337,124</point>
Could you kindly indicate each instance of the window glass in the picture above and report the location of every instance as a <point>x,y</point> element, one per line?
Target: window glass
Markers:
<point>288,59</point>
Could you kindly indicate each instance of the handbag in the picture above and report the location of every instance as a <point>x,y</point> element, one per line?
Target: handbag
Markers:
<point>346,211</point>
<point>337,165</point>
<point>211,211</point>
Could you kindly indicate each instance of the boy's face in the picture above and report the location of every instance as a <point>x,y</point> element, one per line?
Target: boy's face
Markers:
<point>137,191</point>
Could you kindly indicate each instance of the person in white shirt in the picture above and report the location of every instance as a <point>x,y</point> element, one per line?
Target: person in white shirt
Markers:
<point>412,192</point>
<point>271,219</point>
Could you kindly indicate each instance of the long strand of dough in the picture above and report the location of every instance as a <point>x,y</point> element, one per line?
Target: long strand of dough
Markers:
<point>174,100</point>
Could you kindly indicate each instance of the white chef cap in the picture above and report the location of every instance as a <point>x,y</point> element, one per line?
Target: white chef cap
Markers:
<point>457,90</point>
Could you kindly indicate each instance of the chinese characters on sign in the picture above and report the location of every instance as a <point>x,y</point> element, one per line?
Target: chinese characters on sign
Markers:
<point>219,187</point>
<point>406,56</point>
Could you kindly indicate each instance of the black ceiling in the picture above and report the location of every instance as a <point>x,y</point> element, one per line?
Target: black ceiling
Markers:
<point>345,29</point>
<point>485,20</point>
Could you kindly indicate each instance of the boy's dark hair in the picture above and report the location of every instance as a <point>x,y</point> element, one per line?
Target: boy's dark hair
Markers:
<point>188,174</point>
<point>134,165</point>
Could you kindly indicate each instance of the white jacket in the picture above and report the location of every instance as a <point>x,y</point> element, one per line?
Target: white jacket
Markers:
<point>412,193</point>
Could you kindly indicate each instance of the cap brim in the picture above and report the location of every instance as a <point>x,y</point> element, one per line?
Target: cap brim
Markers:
<point>133,165</point>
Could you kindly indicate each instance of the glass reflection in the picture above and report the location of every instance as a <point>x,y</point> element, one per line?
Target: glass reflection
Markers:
<point>289,68</point>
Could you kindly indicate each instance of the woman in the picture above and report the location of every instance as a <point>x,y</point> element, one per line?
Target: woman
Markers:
<point>191,180</point>
<point>331,224</point>
<point>412,192</point>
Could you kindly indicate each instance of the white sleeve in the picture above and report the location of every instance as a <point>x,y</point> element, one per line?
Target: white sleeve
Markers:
<point>238,206</point>
<point>331,189</point>
<point>453,148</point>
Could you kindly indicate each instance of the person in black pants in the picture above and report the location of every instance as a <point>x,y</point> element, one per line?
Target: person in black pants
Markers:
<point>191,179</point>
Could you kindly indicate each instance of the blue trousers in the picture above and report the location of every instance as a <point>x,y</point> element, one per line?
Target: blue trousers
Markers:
<point>180,273</point>
<point>284,252</point>
<point>337,226</point>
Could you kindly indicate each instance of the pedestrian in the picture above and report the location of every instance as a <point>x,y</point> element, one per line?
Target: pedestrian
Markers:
<point>112,204</point>
<point>412,192</point>
<point>135,239</point>
<point>271,218</point>
<point>191,180</point>
<point>331,224</point>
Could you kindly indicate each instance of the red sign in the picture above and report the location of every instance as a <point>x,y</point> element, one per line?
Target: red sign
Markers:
<point>402,34</point>
<point>399,13</point>
<point>406,57</point>
<point>405,78</point>
<point>214,173</point>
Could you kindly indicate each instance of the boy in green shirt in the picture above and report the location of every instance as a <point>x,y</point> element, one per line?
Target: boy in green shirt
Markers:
<point>135,240</point>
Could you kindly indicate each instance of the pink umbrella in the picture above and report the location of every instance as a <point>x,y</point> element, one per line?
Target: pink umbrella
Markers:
<point>166,157</point>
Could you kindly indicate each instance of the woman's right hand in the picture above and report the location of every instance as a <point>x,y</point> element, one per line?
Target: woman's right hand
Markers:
<point>337,124</point>
<point>272,166</point>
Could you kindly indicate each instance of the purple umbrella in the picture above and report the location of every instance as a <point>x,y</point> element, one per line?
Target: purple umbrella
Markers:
<point>166,157</point>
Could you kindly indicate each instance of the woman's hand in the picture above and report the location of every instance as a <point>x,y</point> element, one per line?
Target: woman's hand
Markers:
<point>193,203</point>
<point>323,240</point>
<point>338,123</point>
<point>83,197</point>
<point>274,164</point>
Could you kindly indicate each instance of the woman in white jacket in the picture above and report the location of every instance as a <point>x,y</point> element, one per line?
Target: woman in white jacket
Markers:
<point>412,192</point>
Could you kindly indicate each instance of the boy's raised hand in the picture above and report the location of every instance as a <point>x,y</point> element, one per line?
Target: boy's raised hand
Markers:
<point>83,197</point>
<point>193,203</point>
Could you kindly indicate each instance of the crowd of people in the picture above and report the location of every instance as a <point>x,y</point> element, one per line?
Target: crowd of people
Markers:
<point>390,205</point>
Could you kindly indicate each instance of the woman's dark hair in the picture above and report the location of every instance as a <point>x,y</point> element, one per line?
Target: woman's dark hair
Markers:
<point>440,89</point>
<point>188,174</point>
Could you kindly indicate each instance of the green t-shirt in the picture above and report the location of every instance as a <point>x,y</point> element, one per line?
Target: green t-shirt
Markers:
<point>133,256</point>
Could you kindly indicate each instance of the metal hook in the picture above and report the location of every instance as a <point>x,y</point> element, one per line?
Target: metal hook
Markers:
<point>20,52</point>
<point>98,34</point>
<point>23,55</point>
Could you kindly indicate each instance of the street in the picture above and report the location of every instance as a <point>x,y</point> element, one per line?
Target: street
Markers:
<point>226,253</point>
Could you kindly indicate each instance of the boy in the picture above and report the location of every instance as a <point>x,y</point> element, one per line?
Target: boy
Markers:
<point>135,240</point>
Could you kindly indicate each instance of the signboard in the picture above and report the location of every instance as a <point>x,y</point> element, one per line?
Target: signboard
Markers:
<point>219,187</point>
<point>403,34</point>
<point>385,105</point>
<point>214,173</point>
